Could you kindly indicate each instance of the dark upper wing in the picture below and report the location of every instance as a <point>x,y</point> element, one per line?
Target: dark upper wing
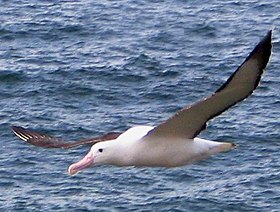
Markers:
<point>190,121</point>
<point>42,140</point>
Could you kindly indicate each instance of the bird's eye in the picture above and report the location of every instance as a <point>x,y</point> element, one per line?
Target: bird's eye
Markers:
<point>100,150</point>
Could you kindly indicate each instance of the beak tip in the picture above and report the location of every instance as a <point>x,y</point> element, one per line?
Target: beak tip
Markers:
<point>71,170</point>
<point>80,165</point>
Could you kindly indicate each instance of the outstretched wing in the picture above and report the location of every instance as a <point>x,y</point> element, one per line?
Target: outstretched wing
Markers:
<point>191,120</point>
<point>42,140</point>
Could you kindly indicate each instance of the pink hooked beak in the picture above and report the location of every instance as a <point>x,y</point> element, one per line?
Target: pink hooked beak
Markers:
<point>86,162</point>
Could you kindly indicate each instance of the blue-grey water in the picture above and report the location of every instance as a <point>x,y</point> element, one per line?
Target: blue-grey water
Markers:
<point>77,69</point>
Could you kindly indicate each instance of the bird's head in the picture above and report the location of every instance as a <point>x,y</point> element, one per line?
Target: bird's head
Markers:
<point>100,153</point>
<point>118,152</point>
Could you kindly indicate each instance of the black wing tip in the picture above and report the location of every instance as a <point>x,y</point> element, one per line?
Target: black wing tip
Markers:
<point>266,39</point>
<point>268,35</point>
<point>263,47</point>
<point>264,44</point>
<point>262,51</point>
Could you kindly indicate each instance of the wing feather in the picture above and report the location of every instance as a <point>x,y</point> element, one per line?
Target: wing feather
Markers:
<point>46,141</point>
<point>191,120</point>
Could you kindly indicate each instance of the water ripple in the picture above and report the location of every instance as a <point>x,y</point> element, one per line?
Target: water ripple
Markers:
<point>77,69</point>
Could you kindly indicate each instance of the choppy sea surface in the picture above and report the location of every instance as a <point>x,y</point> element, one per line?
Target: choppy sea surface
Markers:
<point>78,69</point>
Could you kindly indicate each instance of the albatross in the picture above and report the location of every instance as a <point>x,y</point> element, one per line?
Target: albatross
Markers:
<point>173,142</point>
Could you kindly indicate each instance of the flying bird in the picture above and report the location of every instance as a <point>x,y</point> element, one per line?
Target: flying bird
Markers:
<point>174,142</point>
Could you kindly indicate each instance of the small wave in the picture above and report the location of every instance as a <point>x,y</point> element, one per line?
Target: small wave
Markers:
<point>11,77</point>
<point>142,61</point>
<point>43,30</point>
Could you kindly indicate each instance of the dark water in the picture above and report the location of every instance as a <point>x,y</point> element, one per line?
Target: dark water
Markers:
<point>79,69</point>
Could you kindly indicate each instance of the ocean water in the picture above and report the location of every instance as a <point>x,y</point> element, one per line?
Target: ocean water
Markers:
<point>77,69</point>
